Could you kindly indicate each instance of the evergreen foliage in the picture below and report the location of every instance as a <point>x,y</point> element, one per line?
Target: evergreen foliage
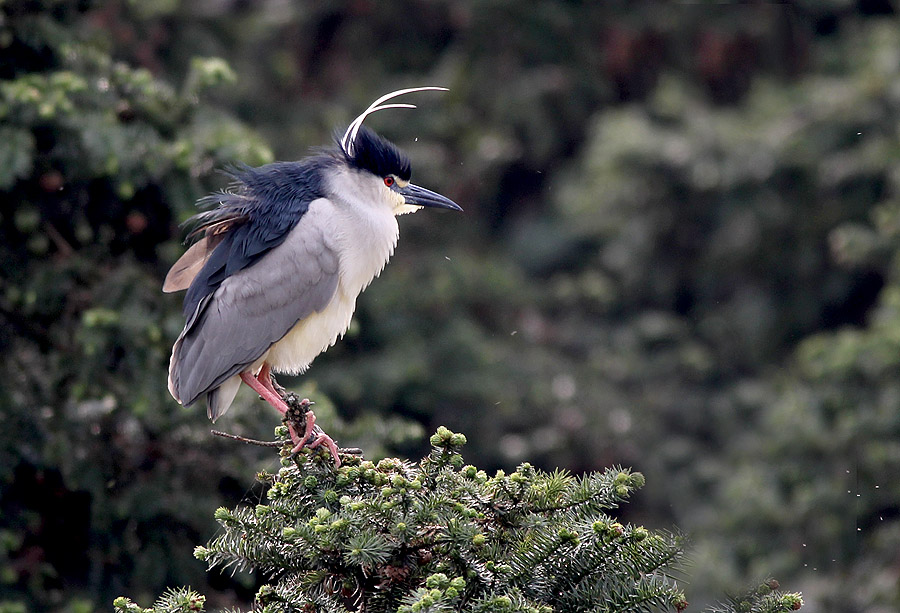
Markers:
<point>442,535</point>
<point>762,598</point>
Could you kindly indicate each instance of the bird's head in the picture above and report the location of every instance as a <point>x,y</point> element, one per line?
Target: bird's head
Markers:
<point>383,169</point>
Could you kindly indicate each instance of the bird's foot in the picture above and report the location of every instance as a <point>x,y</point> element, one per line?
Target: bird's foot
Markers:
<point>313,436</point>
<point>322,439</point>
<point>295,412</point>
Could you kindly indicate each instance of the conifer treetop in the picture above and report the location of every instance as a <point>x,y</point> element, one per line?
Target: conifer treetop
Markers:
<point>442,535</point>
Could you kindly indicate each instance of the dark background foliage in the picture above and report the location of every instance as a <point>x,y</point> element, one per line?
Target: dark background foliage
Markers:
<point>679,253</point>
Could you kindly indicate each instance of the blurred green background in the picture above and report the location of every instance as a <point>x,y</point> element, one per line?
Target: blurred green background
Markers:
<point>680,253</point>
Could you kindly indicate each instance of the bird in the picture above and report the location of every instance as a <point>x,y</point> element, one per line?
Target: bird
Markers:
<point>279,260</point>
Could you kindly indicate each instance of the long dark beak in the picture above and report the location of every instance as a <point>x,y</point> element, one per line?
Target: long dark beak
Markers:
<point>419,196</point>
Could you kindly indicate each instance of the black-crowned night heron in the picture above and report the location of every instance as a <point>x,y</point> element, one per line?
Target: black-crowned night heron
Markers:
<point>273,280</point>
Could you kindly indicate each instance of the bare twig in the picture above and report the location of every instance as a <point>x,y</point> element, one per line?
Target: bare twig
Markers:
<point>249,441</point>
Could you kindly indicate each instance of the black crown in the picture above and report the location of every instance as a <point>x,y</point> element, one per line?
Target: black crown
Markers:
<point>378,156</point>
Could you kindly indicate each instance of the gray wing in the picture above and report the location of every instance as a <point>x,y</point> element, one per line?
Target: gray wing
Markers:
<point>251,310</point>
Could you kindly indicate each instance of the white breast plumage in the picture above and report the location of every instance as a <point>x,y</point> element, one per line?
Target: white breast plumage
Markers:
<point>365,236</point>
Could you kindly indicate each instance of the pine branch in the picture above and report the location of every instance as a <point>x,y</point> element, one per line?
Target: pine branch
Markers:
<point>442,536</point>
<point>765,598</point>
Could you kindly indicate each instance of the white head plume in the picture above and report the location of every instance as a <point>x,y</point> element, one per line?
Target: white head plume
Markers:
<point>349,137</point>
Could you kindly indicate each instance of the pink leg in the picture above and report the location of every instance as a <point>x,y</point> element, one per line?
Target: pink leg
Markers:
<point>265,377</point>
<point>269,395</point>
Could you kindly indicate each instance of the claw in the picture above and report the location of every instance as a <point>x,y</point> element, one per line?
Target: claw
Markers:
<point>324,439</point>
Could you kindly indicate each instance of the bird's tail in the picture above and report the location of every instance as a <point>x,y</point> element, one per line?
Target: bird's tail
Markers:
<point>219,399</point>
<point>173,369</point>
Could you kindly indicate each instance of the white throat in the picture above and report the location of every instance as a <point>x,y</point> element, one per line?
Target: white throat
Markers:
<point>365,225</point>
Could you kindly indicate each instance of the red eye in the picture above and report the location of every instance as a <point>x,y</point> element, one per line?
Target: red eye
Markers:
<point>389,180</point>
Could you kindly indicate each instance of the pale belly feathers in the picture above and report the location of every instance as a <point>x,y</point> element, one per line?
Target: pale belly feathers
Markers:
<point>364,238</point>
<point>310,337</point>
